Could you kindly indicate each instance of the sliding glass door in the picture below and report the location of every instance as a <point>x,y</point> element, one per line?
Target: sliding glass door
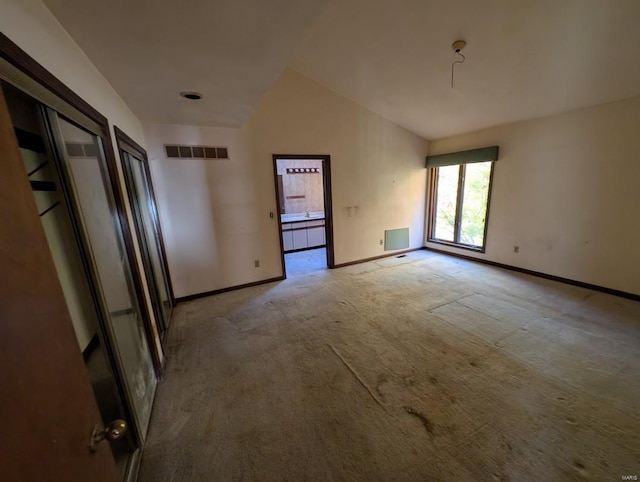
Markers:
<point>143,207</point>
<point>83,167</point>
<point>65,164</point>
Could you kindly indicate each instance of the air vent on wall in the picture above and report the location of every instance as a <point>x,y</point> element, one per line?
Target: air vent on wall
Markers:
<point>196,152</point>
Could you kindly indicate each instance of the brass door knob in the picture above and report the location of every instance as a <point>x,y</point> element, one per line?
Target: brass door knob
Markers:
<point>111,432</point>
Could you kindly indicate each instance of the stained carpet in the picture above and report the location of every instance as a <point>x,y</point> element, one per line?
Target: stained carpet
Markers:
<point>419,368</point>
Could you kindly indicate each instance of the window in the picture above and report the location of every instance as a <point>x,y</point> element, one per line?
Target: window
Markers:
<point>459,204</point>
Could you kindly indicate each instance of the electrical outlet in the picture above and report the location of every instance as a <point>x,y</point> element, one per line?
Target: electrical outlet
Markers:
<point>381,242</point>
<point>516,249</point>
<point>256,263</point>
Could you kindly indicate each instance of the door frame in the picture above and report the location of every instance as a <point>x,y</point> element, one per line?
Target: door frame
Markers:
<point>328,205</point>
<point>127,144</point>
<point>18,58</point>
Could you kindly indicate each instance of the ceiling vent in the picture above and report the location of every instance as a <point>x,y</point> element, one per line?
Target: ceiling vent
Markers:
<point>195,152</point>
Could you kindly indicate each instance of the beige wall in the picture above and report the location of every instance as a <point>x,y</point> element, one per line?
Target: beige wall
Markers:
<point>31,25</point>
<point>215,214</point>
<point>213,220</point>
<point>378,174</point>
<point>565,190</point>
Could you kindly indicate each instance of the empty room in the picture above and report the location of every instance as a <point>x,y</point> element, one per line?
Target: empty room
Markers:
<point>320,240</point>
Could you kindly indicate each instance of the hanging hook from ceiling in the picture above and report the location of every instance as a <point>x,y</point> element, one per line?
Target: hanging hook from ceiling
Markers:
<point>457,46</point>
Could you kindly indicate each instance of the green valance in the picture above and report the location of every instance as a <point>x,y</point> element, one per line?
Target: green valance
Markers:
<point>483,154</point>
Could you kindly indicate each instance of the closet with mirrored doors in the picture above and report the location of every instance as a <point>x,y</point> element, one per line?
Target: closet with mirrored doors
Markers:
<point>64,153</point>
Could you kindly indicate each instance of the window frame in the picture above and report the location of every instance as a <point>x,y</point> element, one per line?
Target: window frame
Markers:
<point>432,201</point>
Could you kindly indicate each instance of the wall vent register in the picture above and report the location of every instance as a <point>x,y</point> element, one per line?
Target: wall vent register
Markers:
<point>196,152</point>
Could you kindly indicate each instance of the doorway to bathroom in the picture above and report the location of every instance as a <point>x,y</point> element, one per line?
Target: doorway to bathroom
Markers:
<point>305,221</point>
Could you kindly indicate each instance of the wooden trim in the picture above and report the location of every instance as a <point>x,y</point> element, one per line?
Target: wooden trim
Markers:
<point>24,62</point>
<point>388,255</point>
<point>150,330</point>
<point>328,212</point>
<point>316,157</point>
<point>122,136</point>
<point>328,203</point>
<point>581,284</point>
<point>280,191</point>
<point>486,214</point>
<point>182,299</point>
<point>279,210</point>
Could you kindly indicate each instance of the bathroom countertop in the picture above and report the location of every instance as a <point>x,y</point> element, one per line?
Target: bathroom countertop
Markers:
<point>296,218</point>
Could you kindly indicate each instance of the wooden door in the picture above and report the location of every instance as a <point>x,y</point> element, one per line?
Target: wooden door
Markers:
<point>47,405</point>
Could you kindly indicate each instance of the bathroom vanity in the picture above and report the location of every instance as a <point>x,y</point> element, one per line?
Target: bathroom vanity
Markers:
<point>303,231</point>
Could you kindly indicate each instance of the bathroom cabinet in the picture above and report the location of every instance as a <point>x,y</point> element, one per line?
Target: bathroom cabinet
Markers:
<point>303,234</point>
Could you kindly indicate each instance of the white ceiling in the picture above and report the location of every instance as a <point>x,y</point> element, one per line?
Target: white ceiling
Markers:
<point>525,58</point>
<point>231,51</point>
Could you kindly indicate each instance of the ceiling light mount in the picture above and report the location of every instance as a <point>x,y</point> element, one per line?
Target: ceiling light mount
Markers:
<point>191,95</point>
<point>458,45</point>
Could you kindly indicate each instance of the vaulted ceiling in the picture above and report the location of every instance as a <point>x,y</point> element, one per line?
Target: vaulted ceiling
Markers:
<point>231,51</point>
<point>524,58</point>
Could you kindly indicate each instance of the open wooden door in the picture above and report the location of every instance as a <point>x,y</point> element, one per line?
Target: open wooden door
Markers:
<point>47,404</point>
